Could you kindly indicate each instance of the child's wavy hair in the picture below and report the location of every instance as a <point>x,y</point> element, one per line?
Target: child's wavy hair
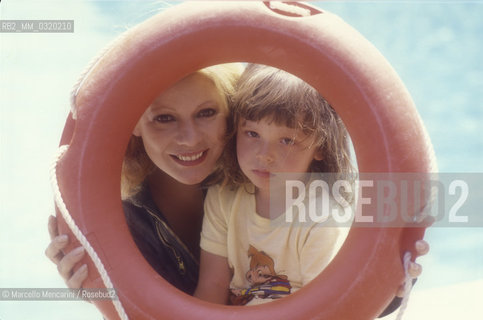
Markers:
<point>266,92</point>
<point>137,165</point>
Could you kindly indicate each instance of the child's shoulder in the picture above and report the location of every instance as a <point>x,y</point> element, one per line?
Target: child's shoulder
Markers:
<point>227,195</point>
<point>229,191</point>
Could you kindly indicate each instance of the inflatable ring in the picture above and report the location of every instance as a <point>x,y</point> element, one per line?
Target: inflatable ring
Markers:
<point>316,46</point>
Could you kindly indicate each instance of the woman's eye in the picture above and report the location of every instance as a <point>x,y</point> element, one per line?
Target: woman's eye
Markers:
<point>252,134</point>
<point>206,113</point>
<point>163,118</point>
<point>288,141</point>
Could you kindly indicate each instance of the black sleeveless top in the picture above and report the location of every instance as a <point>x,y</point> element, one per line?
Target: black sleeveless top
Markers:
<point>159,245</point>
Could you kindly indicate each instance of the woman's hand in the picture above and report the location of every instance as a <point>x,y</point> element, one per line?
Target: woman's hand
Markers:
<point>415,269</point>
<point>65,263</point>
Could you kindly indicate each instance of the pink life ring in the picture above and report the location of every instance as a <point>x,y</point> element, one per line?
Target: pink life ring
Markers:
<point>316,46</point>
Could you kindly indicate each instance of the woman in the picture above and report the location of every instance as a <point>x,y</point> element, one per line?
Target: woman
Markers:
<point>172,154</point>
<point>174,148</point>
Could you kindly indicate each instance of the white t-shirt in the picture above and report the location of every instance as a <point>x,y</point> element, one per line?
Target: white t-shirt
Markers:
<point>269,258</point>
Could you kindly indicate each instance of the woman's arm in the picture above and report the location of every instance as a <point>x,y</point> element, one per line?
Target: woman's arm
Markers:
<point>214,279</point>
<point>65,263</point>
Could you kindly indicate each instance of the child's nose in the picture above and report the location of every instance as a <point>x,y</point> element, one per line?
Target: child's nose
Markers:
<point>265,154</point>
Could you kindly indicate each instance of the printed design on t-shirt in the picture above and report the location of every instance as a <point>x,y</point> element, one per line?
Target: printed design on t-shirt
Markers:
<point>264,281</point>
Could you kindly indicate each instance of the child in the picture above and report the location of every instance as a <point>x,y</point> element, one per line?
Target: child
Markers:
<point>250,253</point>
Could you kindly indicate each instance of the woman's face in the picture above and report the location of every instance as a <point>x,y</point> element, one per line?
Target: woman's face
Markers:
<point>183,129</point>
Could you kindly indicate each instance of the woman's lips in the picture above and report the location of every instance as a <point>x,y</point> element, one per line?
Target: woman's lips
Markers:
<point>190,159</point>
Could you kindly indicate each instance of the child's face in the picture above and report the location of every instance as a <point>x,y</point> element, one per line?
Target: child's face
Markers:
<point>265,149</point>
<point>183,129</point>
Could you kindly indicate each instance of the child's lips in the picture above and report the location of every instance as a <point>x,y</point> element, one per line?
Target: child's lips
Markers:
<point>262,173</point>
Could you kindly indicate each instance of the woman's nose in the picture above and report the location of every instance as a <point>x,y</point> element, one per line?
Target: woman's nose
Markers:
<point>188,134</point>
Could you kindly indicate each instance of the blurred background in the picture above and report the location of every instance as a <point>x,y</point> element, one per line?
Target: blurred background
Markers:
<point>435,46</point>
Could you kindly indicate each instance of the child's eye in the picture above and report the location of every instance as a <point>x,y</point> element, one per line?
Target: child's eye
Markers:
<point>206,113</point>
<point>251,134</point>
<point>288,141</point>
<point>164,118</point>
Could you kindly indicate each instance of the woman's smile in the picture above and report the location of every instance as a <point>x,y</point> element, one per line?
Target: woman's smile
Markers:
<point>190,159</point>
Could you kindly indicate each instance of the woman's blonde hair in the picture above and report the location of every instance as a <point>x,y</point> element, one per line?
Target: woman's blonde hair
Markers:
<point>137,165</point>
<point>265,92</point>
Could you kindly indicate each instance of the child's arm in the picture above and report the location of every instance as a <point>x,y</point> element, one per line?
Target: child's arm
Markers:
<point>215,273</point>
<point>214,279</point>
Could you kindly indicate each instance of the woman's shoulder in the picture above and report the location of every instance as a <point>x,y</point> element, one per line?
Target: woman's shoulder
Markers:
<point>141,204</point>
